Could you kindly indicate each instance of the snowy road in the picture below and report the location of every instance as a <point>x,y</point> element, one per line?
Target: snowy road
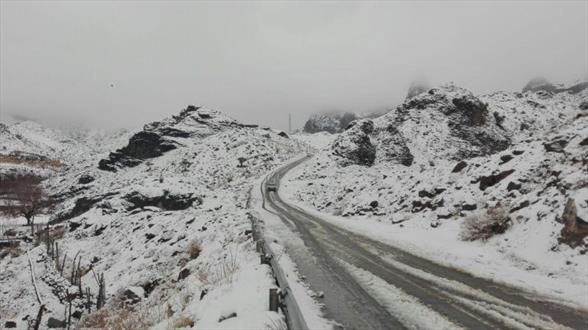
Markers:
<point>371,285</point>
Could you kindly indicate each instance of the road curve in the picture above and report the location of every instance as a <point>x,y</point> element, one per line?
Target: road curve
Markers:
<point>460,298</point>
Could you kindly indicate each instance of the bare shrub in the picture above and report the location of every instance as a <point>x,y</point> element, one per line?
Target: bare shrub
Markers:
<point>483,225</point>
<point>12,251</point>
<point>194,249</point>
<point>28,199</point>
<point>221,273</point>
<point>42,163</point>
<point>8,227</point>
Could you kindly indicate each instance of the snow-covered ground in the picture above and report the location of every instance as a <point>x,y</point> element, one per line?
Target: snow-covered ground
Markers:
<point>163,213</point>
<point>421,206</point>
<point>140,224</point>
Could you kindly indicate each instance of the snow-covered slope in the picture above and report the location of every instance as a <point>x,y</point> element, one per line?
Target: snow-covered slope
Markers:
<point>29,147</point>
<point>446,155</point>
<point>138,219</point>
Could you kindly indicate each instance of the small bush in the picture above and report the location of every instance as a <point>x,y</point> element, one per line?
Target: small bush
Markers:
<point>194,249</point>
<point>184,322</point>
<point>482,226</point>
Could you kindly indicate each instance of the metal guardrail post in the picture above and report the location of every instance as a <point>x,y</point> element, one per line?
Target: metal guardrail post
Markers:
<point>294,317</point>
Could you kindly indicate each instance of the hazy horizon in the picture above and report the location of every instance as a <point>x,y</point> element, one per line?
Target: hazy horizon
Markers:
<point>122,64</point>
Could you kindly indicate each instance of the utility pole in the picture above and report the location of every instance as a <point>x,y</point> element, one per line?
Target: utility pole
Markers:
<point>289,123</point>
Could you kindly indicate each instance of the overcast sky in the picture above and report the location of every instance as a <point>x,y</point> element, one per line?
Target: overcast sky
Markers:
<point>259,61</point>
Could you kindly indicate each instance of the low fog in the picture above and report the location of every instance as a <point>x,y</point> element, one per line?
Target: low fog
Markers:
<point>122,64</point>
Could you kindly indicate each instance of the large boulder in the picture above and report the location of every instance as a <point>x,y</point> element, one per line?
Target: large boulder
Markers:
<point>575,229</point>
<point>166,201</point>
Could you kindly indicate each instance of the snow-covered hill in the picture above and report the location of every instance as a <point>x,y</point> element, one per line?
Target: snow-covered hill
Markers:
<point>30,147</point>
<point>165,219</point>
<point>330,122</point>
<point>445,156</point>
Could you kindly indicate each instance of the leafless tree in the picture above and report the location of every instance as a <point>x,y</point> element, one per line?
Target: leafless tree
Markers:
<point>241,161</point>
<point>28,199</point>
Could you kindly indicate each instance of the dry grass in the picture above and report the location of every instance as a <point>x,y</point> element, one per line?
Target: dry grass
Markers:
<point>482,226</point>
<point>8,312</point>
<point>121,318</point>
<point>184,322</point>
<point>221,273</point>
<point>194,249</point>
<point>51,163</point>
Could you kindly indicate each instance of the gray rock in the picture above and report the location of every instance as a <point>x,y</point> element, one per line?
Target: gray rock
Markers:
<point>354,146</point>
<point>55,323</point>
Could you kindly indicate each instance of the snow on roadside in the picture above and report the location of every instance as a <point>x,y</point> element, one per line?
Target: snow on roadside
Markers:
<point>420,204</point>
<point>485,260</point>
<point>283,243</point>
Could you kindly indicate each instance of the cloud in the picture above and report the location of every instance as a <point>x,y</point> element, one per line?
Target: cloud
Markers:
<point>126,63</point>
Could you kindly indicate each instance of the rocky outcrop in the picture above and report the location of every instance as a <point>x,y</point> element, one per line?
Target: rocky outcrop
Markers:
<point>85,179</point>
<point>393,147</point>
<point>81,206</point>
<point>354,147</point>
<point>448,122</point>
<point>167,201</point>
<point>459,166</point>
<point>160,137</point>
<point>471,132</point>
<point>493,179</point>
<point>468,121</point>
<point>334,122</point>
<point>142,145</point>
<point>556,145</point>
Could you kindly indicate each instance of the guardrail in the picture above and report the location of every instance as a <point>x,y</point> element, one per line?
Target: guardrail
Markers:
<point>294,317</point>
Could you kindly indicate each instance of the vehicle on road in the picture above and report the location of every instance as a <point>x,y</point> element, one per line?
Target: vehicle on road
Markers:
<point>271,187</point>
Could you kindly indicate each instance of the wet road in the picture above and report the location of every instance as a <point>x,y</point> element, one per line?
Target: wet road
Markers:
<point>332,257</point>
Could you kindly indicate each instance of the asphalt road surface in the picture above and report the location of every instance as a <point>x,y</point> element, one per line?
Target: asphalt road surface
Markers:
<point>333,253</point>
